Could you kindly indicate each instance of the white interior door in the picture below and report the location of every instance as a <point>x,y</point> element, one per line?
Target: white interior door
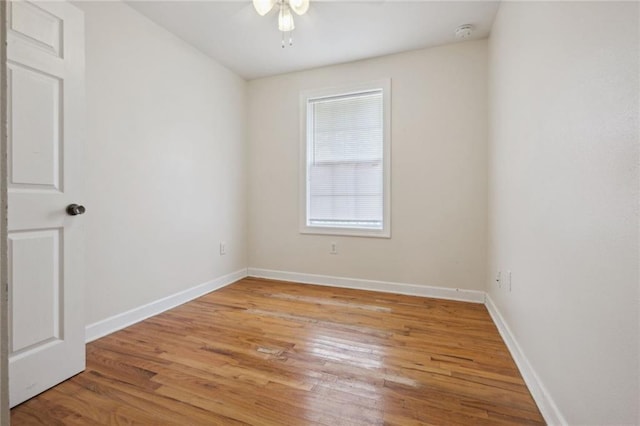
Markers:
<point>45,62</point>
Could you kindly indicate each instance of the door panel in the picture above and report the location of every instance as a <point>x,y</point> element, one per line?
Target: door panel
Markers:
<point>34,23</point>
<point>33,159</point>
<point>36,294</point>
<point>45,61</point>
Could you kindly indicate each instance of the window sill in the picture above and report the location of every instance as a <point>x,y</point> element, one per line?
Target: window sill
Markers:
<point>347,232</point>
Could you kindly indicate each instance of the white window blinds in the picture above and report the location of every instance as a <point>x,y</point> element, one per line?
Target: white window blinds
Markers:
<point>345,148</point>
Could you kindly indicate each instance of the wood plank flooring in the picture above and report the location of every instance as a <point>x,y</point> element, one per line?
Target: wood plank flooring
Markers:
<point>264,352</point>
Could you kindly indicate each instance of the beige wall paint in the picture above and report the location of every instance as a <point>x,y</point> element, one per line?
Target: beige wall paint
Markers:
<point>438,174</point>
<point>165,163</point>
<point>563,199</point>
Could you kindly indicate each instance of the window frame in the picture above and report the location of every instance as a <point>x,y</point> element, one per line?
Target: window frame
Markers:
<point>351,89</point>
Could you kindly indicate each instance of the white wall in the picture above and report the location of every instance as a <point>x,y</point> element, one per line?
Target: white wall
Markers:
<point>166,158</point>
<point>563,198</point>
<point>438,174</point>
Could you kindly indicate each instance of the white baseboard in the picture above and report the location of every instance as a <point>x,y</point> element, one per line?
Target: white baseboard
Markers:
<point>118,322</point>
<point>546,404</point>
<point>382,286</point>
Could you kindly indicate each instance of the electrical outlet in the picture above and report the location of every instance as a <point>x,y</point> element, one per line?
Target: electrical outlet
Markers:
<point>499,280</point>
<point>223,248</point>
<point>334,248</point>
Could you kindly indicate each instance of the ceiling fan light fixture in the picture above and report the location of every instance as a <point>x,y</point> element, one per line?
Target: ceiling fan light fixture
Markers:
<point>285,19</point>
<point>263,6</point>
<point>299,6</point>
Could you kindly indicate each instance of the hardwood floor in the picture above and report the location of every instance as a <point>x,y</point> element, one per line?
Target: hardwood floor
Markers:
<point>265,352</point>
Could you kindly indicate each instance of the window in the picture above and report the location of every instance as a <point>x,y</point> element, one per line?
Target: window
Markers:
<point>345,160</point>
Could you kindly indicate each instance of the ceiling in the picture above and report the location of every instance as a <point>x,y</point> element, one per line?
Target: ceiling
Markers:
<point>331,32</point>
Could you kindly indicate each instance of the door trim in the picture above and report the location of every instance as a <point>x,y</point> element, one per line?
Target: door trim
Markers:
<point>4,332</point>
